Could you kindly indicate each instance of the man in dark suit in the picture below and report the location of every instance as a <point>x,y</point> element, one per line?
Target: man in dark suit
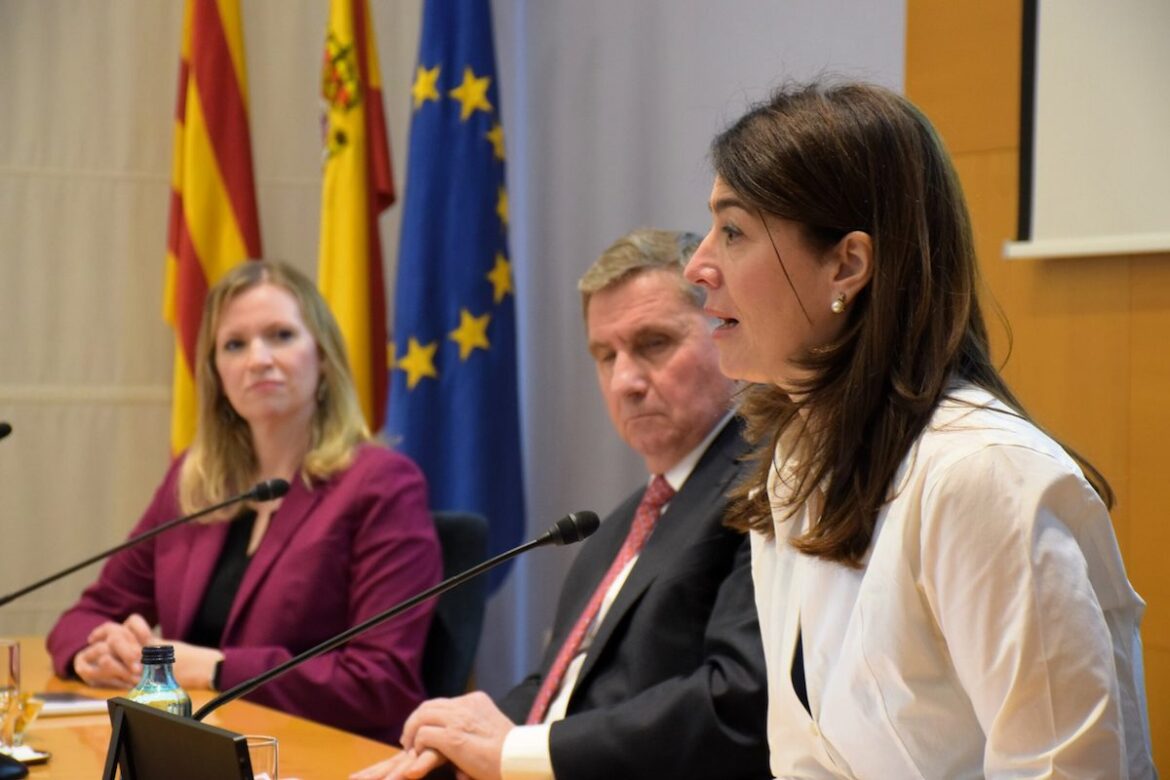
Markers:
<point>655,666</point>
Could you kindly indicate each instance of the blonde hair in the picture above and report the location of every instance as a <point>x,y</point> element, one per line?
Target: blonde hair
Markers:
<point>221,461</point>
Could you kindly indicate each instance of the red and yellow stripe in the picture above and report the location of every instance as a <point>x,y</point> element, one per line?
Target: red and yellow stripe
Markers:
<point>213,216</point>
<point>357,185</point>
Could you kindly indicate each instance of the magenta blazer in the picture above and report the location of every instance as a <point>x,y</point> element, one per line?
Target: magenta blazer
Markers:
<point>332,556</point>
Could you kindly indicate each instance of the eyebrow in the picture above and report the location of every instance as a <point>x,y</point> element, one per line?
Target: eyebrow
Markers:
<point>726,203</point>
<point>592,345</point>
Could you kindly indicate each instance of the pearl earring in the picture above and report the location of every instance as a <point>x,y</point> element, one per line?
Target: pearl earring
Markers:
<point>838,304</point>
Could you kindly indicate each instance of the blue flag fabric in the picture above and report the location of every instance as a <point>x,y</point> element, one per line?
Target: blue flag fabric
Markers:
<point>453,397</point>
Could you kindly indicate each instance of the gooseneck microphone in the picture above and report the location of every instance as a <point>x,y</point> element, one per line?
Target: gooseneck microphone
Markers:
<point>264,491</point>
<point>5,429</point>
<point>569,529</point>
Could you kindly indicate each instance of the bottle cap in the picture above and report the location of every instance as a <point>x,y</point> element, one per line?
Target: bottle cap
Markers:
<point>158,654</point>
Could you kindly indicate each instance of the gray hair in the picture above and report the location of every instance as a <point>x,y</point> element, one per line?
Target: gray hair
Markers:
<point>642,250</point>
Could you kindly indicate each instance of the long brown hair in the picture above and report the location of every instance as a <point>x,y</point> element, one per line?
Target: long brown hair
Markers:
<point>837,159</point>
<point>221,461</point>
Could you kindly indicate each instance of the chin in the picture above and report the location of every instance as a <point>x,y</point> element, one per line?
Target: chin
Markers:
<point>647,447</point>
<point>736,370</point>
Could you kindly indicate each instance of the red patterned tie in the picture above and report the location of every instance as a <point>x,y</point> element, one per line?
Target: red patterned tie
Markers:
<point>645,516</point>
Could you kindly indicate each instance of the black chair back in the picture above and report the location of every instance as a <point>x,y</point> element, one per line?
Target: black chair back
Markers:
<point>458,621</point>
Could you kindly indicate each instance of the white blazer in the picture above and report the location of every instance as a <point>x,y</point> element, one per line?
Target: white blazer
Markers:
<point>992,631</point>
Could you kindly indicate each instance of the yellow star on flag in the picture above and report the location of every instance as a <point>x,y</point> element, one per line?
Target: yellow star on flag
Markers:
<point>501,278</point>
<point>471,333</point>
<point>472,94</point>
<point>496,136</point>
<point>425,85</point>
<point>418,362</point>
<point>502,206</point>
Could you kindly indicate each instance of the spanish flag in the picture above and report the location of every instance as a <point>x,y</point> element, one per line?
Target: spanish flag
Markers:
<point>213,221</point>
<point>356,187</point>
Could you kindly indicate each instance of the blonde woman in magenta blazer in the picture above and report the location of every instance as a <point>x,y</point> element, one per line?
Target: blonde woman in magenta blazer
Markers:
<point>352,537</point>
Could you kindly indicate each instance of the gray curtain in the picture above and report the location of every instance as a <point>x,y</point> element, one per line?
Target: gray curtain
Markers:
<point>609,106</point>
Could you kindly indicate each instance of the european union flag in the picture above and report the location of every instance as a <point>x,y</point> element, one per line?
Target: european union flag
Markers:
<point>453,401</point>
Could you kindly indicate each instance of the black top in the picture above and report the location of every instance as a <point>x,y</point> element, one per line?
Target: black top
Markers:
<point>210,620</point>
<point>798,673</point>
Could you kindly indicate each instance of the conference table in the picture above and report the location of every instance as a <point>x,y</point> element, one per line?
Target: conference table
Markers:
<point>78,743</point>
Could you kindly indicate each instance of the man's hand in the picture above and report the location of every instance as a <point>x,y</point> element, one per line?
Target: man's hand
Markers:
<point>468,731</point>
<point>407,764</point>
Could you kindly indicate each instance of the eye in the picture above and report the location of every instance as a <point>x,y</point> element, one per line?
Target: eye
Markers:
<point>281,334</point>
<point>654,344</point>
<point>730,233</point>
<point>603,358</point>
<point>232,345</point>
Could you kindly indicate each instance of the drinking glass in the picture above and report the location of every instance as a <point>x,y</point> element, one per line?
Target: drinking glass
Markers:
<point>9,690</point>
<point>26,712</point>
<point>262,751</point>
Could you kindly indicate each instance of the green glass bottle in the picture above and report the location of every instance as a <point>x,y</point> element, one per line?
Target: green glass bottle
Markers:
<point>158,687</point>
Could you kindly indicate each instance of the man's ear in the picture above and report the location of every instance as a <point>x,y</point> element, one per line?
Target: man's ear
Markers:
<point>853,260</point>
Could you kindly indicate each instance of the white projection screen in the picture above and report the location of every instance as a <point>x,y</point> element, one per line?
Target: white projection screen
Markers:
<point>1095,129</point>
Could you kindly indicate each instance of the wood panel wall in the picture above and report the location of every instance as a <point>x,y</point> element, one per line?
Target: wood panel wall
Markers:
<point>1089,344</point>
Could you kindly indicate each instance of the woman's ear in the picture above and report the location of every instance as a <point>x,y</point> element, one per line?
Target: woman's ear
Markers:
<point>854,264</point>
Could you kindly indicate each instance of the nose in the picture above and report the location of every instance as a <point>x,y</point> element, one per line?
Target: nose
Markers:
<point>700,269</point>
<point>259,355</point>
<point>628,377</point>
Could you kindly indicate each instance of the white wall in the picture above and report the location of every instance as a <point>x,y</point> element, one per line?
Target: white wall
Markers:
<point>1101,161</point>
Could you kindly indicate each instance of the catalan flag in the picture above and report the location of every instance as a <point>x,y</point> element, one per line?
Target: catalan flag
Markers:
<point>453,400</point>
<point>357,186</point>
<point>213,220</point>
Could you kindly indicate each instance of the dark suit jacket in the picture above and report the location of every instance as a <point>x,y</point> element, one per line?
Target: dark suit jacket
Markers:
<point>673,685</point>
<point>332,556</point>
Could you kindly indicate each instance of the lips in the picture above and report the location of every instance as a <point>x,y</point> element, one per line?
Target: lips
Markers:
<point>725,322</point>
<point>264,386</point>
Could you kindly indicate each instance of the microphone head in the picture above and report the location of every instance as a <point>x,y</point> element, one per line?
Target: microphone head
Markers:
<point>574,527</point>
<point>5,429</point>
<point>269,489</point>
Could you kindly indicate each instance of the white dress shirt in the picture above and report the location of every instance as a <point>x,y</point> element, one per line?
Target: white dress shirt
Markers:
<point>526,753</point>
<point>991,631</point>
